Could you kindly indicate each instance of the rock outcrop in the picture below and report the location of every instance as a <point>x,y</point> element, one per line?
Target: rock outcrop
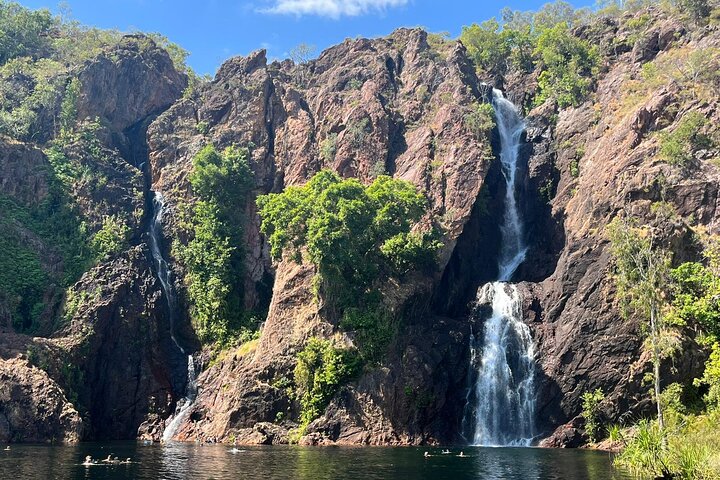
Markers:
<point>33,408</point>
<point>105,364</point>
<point>109,362</point>
<point>394,104</point>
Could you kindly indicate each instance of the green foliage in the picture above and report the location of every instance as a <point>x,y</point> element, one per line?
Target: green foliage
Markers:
<point>678,146</point>
<point>23,32</point>
<point>321,370</point>
<point>23,278</point>
<point>202,127</point>
<point>481,120</point>
<point>352,233</point>
<point>112,238</point>
<point>644,453</point>
<point>641,268</point>
<point>575,168</point>
<point>214,257</point>
<point>568,65</point>
<point>642,273</point>
<point>27,89</point>
<point>615,433</point>
<point>591,412</point>
<point>711,379</point>
<point>177,54</point>
<point>686,450</point>
<point>547,190</point>
<point>374,330</point>
<point>328,148</point>
<point>68,107</point>
<point>487,46</point>
<point>697,10</point>
<point>697,296</point>
<point>358,131</point>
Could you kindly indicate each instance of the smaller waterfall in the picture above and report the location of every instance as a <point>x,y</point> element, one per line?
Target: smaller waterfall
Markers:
<point>161,266</point>
<point>164,275</point>
<point>500,408</point>
<point>183,406</point>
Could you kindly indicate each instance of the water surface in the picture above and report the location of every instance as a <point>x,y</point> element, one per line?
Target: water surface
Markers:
<point>190,461</point>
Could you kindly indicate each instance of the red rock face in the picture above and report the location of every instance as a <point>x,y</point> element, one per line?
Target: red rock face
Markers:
<point>391,105</point>
<point>395,105</point>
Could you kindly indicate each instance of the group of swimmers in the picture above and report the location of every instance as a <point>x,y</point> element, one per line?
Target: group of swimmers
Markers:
<point>110,460</point>
<point>445,452</point>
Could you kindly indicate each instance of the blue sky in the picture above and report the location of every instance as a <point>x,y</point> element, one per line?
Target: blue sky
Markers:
<point>214,30</point>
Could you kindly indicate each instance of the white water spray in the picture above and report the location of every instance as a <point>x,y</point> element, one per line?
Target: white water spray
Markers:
<point>163,273</point>
<point>500,409</point>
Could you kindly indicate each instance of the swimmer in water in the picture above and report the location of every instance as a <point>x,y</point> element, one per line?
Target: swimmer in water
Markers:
<point>88,461</point>
<point>7,449</point>
<point>446,452</point>
<point>461,454</point>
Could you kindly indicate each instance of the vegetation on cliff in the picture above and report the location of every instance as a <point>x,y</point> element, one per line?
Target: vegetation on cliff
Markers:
<point>214,256</point>
<point>543,40</point>
<point>680,442</point>
<point>321,370</point>
<point>357,236</point>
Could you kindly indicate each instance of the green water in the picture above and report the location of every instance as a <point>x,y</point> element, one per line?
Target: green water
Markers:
<point>190,461</point>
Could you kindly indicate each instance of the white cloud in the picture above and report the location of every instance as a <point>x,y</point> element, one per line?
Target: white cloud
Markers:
<point>332,8</point>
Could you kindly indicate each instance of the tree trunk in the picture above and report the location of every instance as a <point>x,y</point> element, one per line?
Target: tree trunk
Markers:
<point>656,366</point>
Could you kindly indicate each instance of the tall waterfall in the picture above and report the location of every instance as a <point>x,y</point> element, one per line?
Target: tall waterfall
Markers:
<point>164,275</point>
<point>500,407</point>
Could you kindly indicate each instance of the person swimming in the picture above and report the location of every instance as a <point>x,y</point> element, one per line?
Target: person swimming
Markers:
<point>426,455</point>
<point>461,454</point>
<point>7,449</point>
<point>89,461</point>
<point>446,452</point>
<point>234,450</point>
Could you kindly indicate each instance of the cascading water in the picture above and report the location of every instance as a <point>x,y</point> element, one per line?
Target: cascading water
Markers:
<point>163,273</point>
<point>500,408</point>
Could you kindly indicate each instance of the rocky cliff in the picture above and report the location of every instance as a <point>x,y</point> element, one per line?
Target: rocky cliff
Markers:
<point>105,361</point>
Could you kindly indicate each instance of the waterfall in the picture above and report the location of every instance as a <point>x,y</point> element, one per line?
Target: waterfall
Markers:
<point>500,408</point>
<point>162,269</point>
<point>163,273</point>
<point>183,406</point>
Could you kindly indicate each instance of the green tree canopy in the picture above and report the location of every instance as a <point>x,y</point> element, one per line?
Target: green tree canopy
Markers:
<point>354,234</point>
<point>23,32</point>
<point>214,257</point>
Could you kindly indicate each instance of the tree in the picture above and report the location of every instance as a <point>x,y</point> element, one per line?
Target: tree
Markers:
<point>568,63</point>
<point>487,46</point>
<point>642,275</point>
<point>698,10</point>
<point>214,257</point>
<point>355,235</point>
<point>591,412</point>
<point>23,32</point>
<point>301,55</point>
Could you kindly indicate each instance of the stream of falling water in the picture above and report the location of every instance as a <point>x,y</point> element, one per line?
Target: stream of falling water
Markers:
<point>500,408</point>
<point>163,273</point>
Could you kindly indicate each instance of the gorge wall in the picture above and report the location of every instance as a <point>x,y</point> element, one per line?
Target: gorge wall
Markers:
<point>397,105</point>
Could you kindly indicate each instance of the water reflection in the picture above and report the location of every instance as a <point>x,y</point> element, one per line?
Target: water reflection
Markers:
<point>191,461</point>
